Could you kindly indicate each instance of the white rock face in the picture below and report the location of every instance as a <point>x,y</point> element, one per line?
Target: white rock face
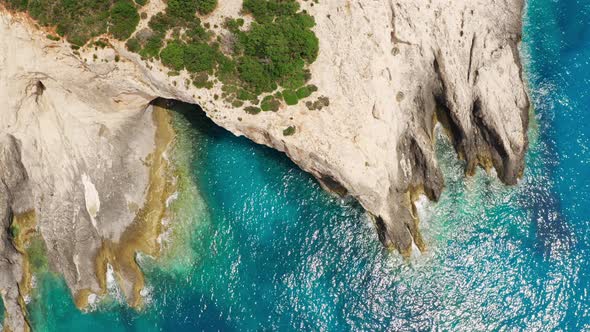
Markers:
<point>390,69</point>
<point>92,199</point>
<point>62,125</point>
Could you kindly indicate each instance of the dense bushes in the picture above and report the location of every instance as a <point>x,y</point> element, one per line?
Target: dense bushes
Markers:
<point>272,54</point>
<point>124,19</point>
<point>160,22</point>
<point>173,55</point>
<point>252,72</point>
<point>277,47</point>
<point>186,9</point>
<point>199,57</point>
<point>265,11</point>
<point>206,6</point>
<point>151,47</point>
<point>81,20</point>
<point>182,10</point>
<point>289,131</point>
<point>269,103</point>
<point>195,57</point>
<point>133,45</point>
<point>306,91</point>
<point>290,97</point>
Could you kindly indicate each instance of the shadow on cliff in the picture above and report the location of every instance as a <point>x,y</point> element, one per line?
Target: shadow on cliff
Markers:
<point>198,119</point>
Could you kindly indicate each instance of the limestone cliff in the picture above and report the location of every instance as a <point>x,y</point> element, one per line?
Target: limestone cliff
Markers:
<point>76,133</point>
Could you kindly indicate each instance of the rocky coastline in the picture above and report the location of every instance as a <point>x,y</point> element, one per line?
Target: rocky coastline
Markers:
<point>83,151</point>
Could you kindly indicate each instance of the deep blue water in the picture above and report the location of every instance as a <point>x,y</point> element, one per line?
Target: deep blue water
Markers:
<point>261,246</point>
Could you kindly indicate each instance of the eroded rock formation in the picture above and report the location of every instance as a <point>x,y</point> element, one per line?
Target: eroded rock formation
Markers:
<point>76,132</point>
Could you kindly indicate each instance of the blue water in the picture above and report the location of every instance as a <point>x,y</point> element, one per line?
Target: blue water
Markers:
<point>263,247</point>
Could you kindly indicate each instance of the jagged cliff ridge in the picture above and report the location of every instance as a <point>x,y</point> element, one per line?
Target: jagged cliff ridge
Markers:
<point>76,134</point>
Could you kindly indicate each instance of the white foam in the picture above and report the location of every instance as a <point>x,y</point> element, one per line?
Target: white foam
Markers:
<point>416,253</point>
<point>112,286</point>
<point>171,199</point>
<point>92,299</point>
<point>146,294</point>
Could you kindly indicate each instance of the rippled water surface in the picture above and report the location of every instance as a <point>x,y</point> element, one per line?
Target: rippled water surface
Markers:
<point>260,246</point>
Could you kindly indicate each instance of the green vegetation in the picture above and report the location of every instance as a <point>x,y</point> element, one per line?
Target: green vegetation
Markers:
<point>182,9</point>
<point>13,231</point>
<point>152,47</point>
<point>199,57</point>
<point>268,10</point>
<point>290,97</point>
<point>81,20</point>
<point>160,22</point>
<point>306,91</point>
<point>124,19</point>
<point>133,45</point>
<point>37,255</point>
<point>252,110</point>
<point>101,43</point>
<point>273,53</point>
<point>269,103</point>
<point>54,38</point>
<point>201,80</point>
<point>270,57</point>
<point>289,131</point>
<point>278,46</point>
<point>317,105</point>
<point>186,9</point>
<point>206,6</point>
<point>173,55</point>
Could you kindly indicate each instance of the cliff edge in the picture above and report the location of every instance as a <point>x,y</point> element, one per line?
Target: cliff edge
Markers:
<point>78,140</point>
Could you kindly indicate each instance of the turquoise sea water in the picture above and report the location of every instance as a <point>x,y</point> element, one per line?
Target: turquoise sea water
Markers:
<point>259,246</point>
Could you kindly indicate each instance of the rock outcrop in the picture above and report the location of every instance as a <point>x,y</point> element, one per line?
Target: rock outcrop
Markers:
<point>76,130</point>
<point>14,196</point>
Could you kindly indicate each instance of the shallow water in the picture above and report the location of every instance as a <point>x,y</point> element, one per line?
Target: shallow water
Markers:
<point>258,245</point>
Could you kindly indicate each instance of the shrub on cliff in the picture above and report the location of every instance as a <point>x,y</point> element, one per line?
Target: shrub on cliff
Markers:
<point>160,23</point>
<point>274,52</point>
<point>186,9</point>
<point>253,73</point>
<point>133,45</point>
<point>152,47</point>
<point>290,97</point>
<point>173,55</point>
<point>269,103</point>
<point>306,91</point>
<point>289,131</point>
<point>206,6</point>
<point>199,57</point>
<point>124,19</point>
<point>196,33</point>
<point>81,20</point>
<point>267,10</point>
<point>278,46</point>
<point>181,10</point>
